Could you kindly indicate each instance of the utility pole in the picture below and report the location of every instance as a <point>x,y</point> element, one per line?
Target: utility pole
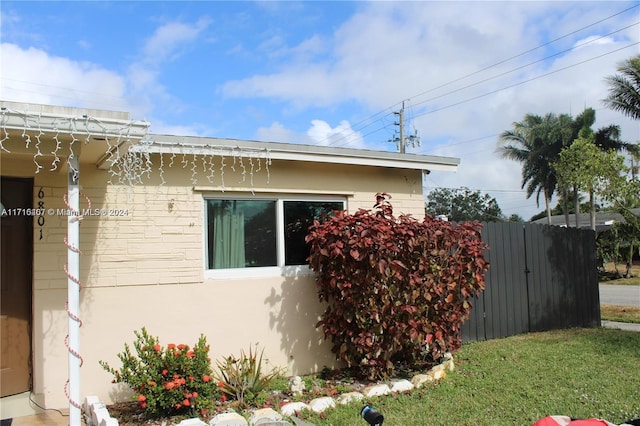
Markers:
<point>402,141</point>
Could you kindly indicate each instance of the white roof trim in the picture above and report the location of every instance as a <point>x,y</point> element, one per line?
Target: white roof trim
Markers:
<point>49,119</point>
<point>167,144</point>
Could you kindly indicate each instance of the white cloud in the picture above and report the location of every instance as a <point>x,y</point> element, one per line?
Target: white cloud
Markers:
<point>276,132</point>
<point>321,133</point>
<point>169,40</point>
<point>59,80</point>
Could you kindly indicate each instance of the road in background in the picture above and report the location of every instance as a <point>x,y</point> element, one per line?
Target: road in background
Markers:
<point>623,295</point>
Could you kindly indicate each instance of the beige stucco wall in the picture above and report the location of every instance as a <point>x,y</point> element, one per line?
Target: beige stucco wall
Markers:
<point>146,268</point>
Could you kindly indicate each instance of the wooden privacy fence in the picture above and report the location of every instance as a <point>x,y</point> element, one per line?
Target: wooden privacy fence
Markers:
<point>541,278</point>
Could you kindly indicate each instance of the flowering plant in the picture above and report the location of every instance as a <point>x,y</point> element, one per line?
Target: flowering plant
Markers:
<point>167,380</point>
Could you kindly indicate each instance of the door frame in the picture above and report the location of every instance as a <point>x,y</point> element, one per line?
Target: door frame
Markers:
<point>28,194</point>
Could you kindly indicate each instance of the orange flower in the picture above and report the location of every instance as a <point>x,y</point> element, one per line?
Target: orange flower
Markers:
<point>175,376</point>
<point>156,347</point>
<point>165,372</point>
<point>176,353</point>
<point>186,402</point>
<point>195,394</point>
<point>171,346</point>
<point>223,398</point>
<point>152,383</point>
<point>177,406</point>
<point>221,384</point>
<point>143,405</point>
<point>181,346</point>
<point>206,378</point>
<point>169,385</point>
<point>190,354</point>
<point>142,398</point>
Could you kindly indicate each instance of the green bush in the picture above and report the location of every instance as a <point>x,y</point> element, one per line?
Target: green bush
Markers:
<point>243,378</point>
<point>167,380</point>
<point>397,289</point>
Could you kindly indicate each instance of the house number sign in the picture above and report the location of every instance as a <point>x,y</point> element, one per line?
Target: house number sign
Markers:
<point>40,219</point>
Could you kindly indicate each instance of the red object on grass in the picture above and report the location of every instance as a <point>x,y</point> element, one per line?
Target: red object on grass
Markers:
<point>567,421</point>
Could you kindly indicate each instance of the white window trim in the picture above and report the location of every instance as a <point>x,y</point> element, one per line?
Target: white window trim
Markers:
<point>263,271</point>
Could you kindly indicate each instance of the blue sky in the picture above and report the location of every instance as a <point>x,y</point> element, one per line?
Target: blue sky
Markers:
<point>328,72</point>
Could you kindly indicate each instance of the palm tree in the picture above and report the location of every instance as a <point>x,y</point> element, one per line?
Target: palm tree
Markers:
<point>609,138</point>
<point>536,142</point>
<point>624,88</point>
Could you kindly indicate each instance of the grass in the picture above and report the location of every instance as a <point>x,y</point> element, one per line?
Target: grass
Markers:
<point>620,313</point>
<point>610,275</point>
<point>581,373</point>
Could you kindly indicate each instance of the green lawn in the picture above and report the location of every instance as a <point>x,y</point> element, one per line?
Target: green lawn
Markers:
<point>580,373</point>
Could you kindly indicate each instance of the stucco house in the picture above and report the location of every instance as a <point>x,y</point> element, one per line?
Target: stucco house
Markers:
<point>107,228</point>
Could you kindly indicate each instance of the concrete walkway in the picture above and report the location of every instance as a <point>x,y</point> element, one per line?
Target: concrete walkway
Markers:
<point>621,325</point>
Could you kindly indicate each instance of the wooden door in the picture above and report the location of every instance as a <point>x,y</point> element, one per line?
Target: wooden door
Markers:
<point>16,266</point>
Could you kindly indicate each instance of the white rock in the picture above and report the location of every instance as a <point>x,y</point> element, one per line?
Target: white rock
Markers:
<point>228,419</point>
<point>449,365</point>
<point>264,416</point>
<point>439,367</point>
<point>110,422</point>
<point>99,414</point>
<point>320,404</point>
<point>401,386</point>
<point>346,398</point>
<point>420,379</point>
<point>438,372</point>
<point>291,408</point>
<point>376,390</point>
<point>192,422</point>
<point>89,402</point>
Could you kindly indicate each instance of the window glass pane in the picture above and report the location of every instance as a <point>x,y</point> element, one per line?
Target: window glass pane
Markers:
<point>241,233</point>
<point>298,217</point>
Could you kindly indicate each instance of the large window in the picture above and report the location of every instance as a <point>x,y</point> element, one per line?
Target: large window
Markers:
<point>261,232</point>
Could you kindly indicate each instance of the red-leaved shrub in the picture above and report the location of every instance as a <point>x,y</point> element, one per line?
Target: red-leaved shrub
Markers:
<point>397,289</point>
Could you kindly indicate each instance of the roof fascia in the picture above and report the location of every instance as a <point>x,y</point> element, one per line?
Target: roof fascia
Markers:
<point>168,144</point>
<point>82,123</point>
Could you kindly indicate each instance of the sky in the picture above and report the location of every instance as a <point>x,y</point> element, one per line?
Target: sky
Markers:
<point>330,73</point>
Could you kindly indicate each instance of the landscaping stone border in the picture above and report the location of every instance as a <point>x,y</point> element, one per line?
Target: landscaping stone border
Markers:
<point>96,413</point>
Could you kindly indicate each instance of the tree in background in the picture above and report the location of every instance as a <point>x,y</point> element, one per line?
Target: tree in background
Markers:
<point>515,218</point>
<point>624,89</point>
<point>536,142</point>
<point>584,167</point>
<point>462,204</point>
<point>624,96</point>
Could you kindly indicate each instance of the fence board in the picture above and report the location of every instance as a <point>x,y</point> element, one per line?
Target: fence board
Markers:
<point>541,278</point>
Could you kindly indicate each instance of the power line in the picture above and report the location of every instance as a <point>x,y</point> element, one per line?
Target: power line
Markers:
<point>526,81</point>
<point>526,65</point>
<point>528,51</point>
<point>354,128</point>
